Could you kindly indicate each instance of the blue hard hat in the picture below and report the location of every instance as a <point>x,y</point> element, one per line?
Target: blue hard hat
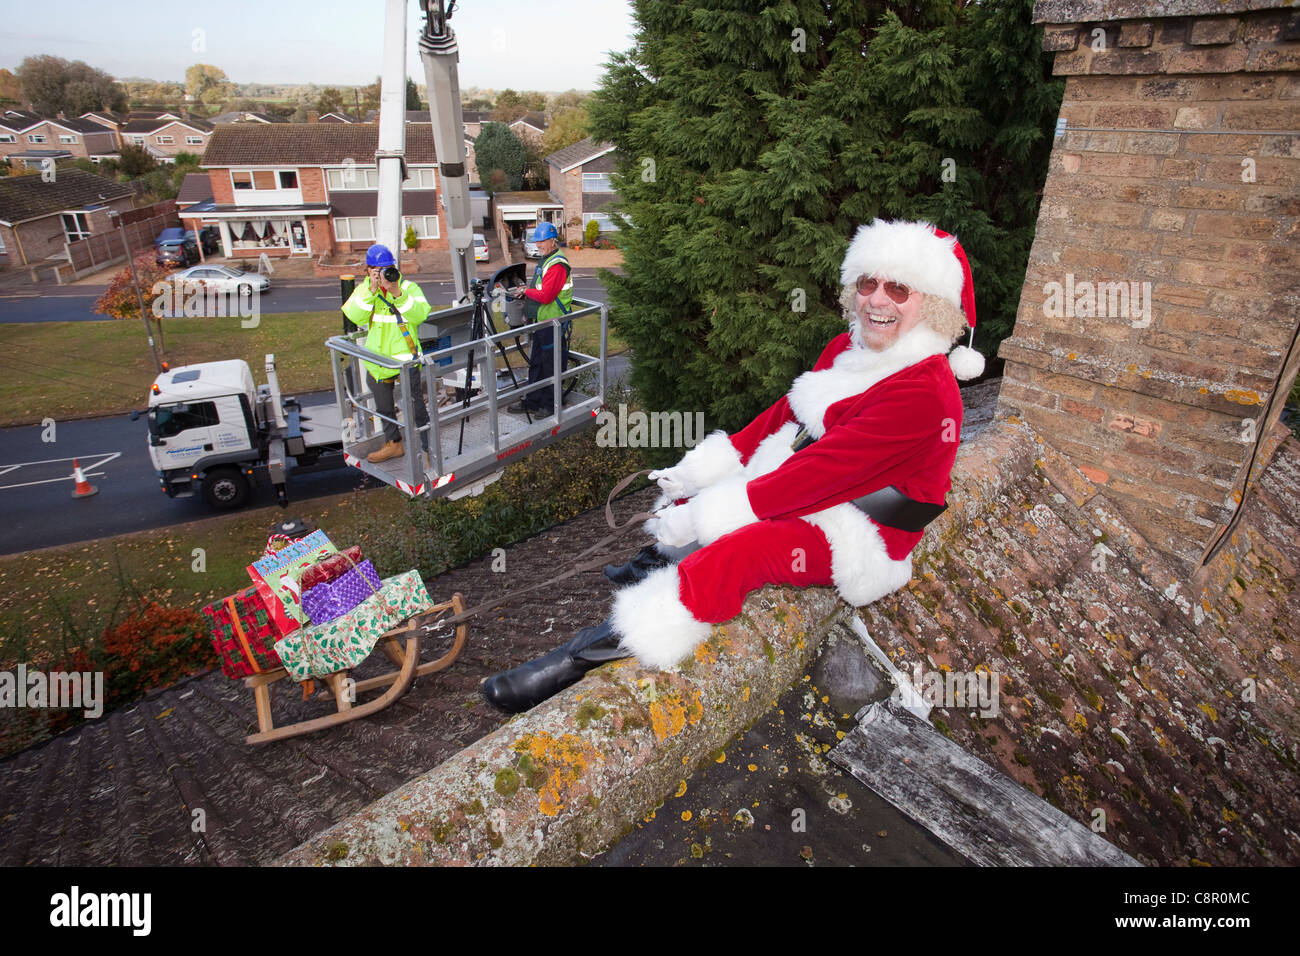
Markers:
<point>544,231</point>
<point>379,255</point>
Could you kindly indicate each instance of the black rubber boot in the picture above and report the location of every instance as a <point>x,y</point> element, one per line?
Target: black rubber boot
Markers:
<point>635,570</point>
<point>529,684</point>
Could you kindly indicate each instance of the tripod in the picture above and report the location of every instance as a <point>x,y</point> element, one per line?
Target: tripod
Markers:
<point>480,326</point>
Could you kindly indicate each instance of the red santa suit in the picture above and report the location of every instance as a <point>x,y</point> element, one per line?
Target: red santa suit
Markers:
<point>769,515</point>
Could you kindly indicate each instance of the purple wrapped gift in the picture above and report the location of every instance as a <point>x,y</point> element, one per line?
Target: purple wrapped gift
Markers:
<point>331,599</point>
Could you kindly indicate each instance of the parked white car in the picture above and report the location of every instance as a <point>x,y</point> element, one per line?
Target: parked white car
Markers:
<point>223,278</point>
<point>480,248</point>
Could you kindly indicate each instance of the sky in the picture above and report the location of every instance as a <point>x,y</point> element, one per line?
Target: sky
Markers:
<point>521,44</point>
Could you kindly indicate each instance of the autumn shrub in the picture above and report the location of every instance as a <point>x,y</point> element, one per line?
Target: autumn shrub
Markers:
<point>152,646</point>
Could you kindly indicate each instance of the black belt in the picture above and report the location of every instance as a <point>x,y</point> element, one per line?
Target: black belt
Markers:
<point>888,506</point>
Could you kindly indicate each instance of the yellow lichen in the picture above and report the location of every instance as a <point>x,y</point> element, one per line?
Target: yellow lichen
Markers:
<point>681,789</point>
<point>1209,711</point>
<point>563,760</point>
<point>669,714</point>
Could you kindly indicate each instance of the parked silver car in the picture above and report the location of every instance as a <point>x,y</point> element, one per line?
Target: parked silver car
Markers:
<point>223,278</point>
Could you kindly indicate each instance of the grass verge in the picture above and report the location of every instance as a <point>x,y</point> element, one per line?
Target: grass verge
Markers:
<point>84,369</point>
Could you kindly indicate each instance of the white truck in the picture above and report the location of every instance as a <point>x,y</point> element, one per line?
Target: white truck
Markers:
<point>212,430</point>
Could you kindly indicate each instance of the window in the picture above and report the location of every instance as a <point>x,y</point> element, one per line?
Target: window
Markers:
<point>35,137</point>
<point>75,226</point>
<point>288,179</point>
<point>241,180</point>
<point>68,139</point>
<point>352,177</point>
<point>193,140</point>
<point>164,140</point>
<point>137,140</point>
<point>605,223</point>
<point>426,227</point>
<point>3,251</point>
<point>421,178</point>
<point>168,420</point>
<point>6,137</point>
<point>356,229</point>
<point>596,183</point>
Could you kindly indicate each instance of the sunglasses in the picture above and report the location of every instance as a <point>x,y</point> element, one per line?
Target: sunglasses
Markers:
<point>895,290</point>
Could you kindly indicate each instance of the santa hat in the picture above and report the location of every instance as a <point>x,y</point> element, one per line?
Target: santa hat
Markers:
<point>925,258</point>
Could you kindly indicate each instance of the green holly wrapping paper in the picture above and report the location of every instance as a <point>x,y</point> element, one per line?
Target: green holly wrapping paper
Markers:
<point>346,641</point>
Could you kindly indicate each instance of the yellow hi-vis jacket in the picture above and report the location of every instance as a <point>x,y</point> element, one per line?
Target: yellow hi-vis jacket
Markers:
<point>366,310</point>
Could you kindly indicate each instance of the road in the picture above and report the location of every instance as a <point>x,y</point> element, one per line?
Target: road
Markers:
<point>75,303</point>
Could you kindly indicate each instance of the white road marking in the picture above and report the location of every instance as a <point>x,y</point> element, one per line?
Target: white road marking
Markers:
<point>98,461</point>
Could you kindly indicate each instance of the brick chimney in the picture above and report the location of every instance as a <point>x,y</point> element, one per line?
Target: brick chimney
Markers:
<point>313,116</point>
<point>1155,340</point>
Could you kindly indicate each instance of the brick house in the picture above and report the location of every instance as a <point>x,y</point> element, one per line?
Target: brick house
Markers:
<point>1156,336</point>
<point>530,128</point>
<point>37,217</point>
<point>580,183</point>
<point>311,188</point>
<point>164,137</point>
<point>31,141</point>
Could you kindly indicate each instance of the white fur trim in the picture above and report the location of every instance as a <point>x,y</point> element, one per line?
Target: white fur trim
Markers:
<point>861,566</point>
<point>907,252</point>
<point>966,363</point>
<point>772,451</point>
<point>708,463</point>
<point>854,371</point>
<point>722,509</point>
<point>653,622</point>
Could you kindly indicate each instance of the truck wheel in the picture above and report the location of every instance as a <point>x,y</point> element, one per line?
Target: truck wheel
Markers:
<point>225,488</point>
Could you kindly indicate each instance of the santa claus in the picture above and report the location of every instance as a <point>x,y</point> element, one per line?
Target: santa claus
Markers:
<point>830,486</point>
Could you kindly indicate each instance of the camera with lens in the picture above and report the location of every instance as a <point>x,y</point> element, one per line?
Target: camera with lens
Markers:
<point>391,274</point>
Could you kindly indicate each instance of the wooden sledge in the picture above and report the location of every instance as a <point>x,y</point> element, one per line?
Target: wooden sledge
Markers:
<point>402,645</point>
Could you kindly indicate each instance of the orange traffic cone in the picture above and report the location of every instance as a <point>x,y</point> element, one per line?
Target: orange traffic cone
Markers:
<point>84,488</point>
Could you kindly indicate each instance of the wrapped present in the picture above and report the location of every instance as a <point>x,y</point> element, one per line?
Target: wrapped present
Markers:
<point>335,598</point>
<point>329,568</point>
<point>243,633</point>
<point>343,643</point>
<point>275,575</point>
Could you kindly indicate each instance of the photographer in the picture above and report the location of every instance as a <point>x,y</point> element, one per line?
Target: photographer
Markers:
<point>549,296</point>
<point>391,308</point>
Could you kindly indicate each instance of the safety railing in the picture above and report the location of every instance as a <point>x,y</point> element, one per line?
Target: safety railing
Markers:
<point>470,437</point>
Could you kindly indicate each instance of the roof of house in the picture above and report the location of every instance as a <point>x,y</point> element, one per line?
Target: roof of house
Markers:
<point>412,116</point>
<point>534,119</point>
<point>18,120</point>
<point>534,197</point>
<point>309,144</point>
<point>196,187</point>
<point>335,116</point>
<point>153,125</point>
<point>580,152</point>
<point>29,197</point>
<point>244,116</point>
<point>81,125</point>
<point>117,118</point>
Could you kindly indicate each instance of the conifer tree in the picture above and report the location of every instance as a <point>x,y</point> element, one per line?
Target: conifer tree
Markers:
<point>754,139</point>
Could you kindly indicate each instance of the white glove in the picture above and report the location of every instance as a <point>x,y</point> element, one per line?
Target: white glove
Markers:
<point>671,482</point>
<point>675,528</point>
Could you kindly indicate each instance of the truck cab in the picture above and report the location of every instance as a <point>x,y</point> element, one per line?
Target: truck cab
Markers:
<point>203,432</point>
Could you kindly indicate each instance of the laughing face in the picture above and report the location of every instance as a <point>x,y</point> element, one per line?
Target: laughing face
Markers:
<point>881,318</point>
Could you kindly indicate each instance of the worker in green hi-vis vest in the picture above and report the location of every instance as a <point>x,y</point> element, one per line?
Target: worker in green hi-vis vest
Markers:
<point>550,294</point>
<point>391,308</point>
